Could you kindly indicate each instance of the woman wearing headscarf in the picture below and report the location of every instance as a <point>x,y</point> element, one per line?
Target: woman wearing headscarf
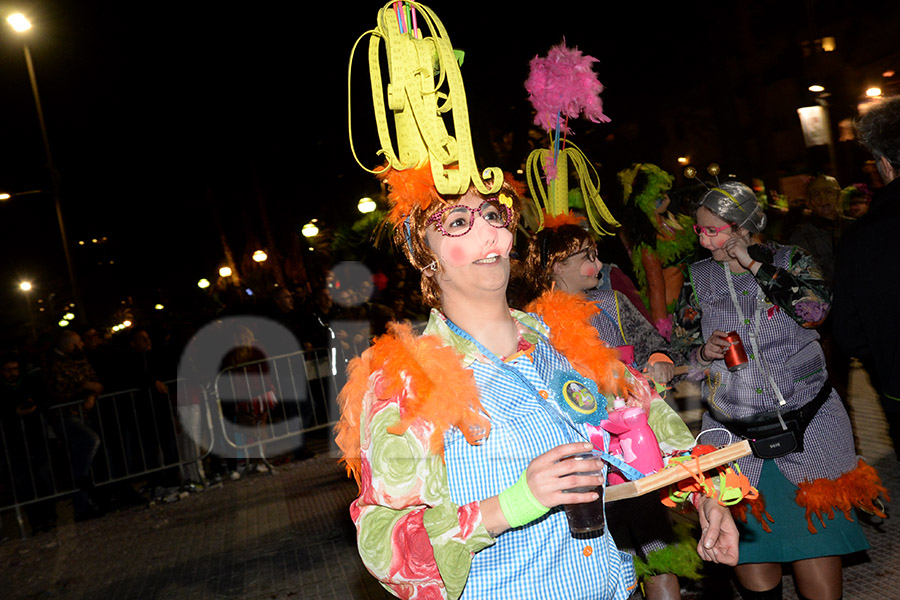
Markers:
<point>804,464</point>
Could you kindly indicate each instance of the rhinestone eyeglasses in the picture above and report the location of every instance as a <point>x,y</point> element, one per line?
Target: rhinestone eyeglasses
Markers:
<point>457,220</point>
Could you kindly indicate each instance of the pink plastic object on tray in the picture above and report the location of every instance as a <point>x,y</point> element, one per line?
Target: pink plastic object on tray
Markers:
<point>633,438</point>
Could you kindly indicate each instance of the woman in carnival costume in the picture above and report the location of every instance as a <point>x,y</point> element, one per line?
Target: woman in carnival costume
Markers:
<point>804,464</point>
<point>563,256</point>
<point>659,242</point>
<point>455,437</point>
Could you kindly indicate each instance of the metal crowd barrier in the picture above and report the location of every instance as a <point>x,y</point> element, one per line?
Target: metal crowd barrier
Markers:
<point>262,407</point>
<point>67,448</point>
<point>267,406</point>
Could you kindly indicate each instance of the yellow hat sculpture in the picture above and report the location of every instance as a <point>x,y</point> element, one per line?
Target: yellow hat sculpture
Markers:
<point>425,93</point>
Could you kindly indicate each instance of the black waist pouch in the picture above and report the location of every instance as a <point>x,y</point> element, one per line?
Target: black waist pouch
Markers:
<point>768,438</point>
<point>773,441</point>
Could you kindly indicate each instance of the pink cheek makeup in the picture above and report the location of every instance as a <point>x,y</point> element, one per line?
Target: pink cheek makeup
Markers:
<point>713,243</point>
<point>456,256</point>
<point>719,241</point>
<point>458,252</point>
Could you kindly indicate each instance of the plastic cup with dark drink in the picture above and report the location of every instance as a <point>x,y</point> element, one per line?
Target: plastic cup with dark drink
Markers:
<point>587,516</point>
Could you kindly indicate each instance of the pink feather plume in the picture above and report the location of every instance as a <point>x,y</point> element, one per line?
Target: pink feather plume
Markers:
<point>564,82</point>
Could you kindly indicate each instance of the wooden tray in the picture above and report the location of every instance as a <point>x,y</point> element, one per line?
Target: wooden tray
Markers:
<point>633,489</point>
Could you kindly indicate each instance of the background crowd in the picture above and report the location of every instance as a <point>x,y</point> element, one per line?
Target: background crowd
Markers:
<point>339,307</point>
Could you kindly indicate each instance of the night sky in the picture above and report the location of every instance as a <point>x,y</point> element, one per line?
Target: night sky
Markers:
<point>154,119</point>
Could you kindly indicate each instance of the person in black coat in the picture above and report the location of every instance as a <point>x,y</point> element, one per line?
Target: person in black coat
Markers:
<point>867,274</point>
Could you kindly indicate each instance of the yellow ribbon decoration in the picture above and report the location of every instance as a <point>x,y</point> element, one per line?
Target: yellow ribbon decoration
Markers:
<point>555,201</point>
<point>419,106</point>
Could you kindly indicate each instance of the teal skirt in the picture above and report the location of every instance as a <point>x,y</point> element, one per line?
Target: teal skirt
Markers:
<point>790,540</point>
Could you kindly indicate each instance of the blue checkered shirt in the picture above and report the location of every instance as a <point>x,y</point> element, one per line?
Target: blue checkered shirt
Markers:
<point>540,560</point>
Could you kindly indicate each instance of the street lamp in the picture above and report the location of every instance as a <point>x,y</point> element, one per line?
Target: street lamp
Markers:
<point>310,230</point>
<point>21,24</point>
<point>815,122</point>
<point>260,256</point>
<point>26,288</point>
<point>7,195</point>
<point>366,205</point>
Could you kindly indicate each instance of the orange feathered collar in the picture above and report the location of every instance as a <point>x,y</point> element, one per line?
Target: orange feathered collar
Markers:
<point>429,377</point>
<point>571,333</point>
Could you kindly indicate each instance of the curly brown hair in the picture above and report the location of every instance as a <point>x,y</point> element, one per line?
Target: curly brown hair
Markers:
<point>409,236</point>
<point>548,247</point>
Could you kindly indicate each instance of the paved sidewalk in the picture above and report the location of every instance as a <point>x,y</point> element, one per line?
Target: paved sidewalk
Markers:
<point>289,535</point>
<point>286,535</point>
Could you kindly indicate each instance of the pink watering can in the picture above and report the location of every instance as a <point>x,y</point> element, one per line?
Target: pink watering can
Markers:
<point>632,440</point>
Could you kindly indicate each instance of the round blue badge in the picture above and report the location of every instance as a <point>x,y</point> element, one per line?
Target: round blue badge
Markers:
<point>578,397</point>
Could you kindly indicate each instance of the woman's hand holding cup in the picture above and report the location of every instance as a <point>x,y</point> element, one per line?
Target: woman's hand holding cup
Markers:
<point>549,476</point>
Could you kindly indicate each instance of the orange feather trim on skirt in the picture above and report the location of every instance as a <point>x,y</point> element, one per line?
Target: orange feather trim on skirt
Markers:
<point>427,379</point>
<point>571,333</point>
<point>757,508</point>
<point>858,489</point>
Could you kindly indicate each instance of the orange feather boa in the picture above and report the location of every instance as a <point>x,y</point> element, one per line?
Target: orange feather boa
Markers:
<point>433,386</point>
<point>757,508</point>
<point>426,375</point>
<point>571,333</point>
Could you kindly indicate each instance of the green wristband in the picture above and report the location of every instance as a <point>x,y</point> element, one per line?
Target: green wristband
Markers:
<point>519,505</point>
